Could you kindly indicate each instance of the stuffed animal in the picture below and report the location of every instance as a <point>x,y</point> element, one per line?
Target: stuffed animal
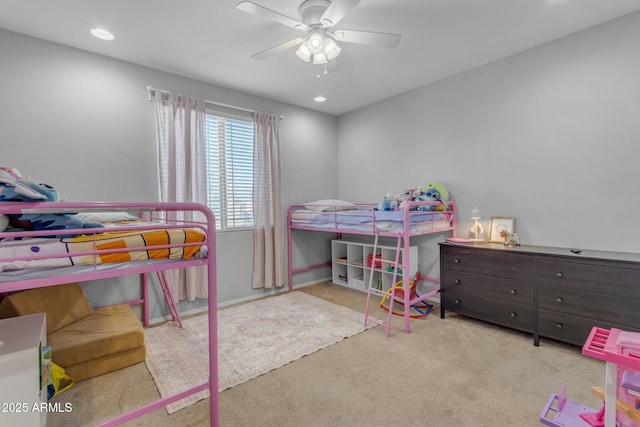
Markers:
<point>404,197</point>
<point>388,203</point>
<point>433,192</point>
<point>15,188</point>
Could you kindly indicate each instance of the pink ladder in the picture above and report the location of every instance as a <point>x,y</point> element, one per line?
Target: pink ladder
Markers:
<point>382,292</point>
<point>168,296</point>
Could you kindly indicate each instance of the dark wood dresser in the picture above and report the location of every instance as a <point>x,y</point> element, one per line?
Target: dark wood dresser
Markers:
<point>550,292</point>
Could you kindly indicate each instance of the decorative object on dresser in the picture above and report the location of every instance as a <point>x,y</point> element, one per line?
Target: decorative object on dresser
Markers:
<point>557,293</point>
<point>476,228</point>
<point>499,225</point>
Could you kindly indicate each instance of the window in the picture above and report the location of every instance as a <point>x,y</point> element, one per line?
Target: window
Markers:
<point>229,151</point>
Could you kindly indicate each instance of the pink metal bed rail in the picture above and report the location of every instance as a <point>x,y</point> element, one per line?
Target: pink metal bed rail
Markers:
<point>137,267</point>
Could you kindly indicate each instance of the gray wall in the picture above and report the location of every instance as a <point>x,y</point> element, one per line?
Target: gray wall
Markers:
<point>549,136</point>
<point>82,123</point>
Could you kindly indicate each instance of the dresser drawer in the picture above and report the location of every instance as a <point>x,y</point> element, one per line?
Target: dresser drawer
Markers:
<point>513,267</point>
<point>608,308</point>
<point>487,286</point>
<point>571,329</point>
<point>613,280</point>
<point>499,312</point>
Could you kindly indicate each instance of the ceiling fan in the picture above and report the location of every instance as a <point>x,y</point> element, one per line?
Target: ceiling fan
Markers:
<point>318,17</point>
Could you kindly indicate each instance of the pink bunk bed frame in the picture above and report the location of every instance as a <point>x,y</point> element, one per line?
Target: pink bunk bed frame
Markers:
<point>151,212</point>
<point>404,236</point>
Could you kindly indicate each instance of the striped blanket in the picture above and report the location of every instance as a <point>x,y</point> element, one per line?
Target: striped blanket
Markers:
<point>102,248</point>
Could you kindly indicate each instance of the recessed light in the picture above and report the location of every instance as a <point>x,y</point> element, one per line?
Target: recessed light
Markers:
<point>102,34</point>
<point>319,99</point>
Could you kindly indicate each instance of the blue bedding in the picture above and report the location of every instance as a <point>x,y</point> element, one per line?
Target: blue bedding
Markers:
<point>363,216</point>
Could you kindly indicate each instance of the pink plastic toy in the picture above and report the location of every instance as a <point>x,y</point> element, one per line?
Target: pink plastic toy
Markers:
<point>562,412</point>
<point>621,350</point>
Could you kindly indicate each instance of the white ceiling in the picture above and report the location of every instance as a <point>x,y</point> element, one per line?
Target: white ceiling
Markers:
<point>211,40</point>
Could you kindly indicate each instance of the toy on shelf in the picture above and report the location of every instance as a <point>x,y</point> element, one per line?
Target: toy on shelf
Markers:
<point>374,261</point>
<point>423,308</point>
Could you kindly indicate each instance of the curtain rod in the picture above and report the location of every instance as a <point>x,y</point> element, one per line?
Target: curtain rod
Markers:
<point>151,89</point>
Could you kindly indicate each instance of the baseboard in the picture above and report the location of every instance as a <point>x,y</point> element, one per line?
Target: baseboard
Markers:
<point>270,292</point>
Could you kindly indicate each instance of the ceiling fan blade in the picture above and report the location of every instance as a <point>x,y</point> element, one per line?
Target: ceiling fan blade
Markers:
<point>278,48</point>
<point>368,37</point>
<point>337,10</point>
<point>262,11</point>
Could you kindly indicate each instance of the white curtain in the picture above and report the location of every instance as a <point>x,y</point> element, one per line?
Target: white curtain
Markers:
<point>181,149</point>
<point>268,210</point>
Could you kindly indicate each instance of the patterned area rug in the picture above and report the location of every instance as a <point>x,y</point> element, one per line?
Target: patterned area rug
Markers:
<point>253,339</point>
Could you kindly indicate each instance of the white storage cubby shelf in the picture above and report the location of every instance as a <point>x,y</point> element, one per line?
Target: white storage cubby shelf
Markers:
<point>350,268</point>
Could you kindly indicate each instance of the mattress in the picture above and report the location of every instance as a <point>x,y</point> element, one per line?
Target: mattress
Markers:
<point>128,241</point>
<point>367,219</point>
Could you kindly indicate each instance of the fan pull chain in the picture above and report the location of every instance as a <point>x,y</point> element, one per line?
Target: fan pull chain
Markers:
<point>318,70</point>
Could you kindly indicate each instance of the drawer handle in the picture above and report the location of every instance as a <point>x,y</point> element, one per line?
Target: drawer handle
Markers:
<point>457,301</point>
<point>457,261</point>
<point>513,291</point>
<point>458,281</point>
<point>559,300</point>
<point>559,326</point>
<point>514,314</point>
<point>559,274</point>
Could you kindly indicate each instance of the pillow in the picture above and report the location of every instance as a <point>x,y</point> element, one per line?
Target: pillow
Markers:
<point>64,304</point>
<point>106,216</point>
<point>329,205</point>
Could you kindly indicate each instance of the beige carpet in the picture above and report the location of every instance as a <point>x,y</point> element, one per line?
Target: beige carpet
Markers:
<point>253,339</point>
<point>452,372</point>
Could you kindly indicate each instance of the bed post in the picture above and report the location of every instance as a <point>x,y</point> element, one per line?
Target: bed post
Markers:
<point>212,295</point>
<point>145,299</point>
<point>289,265</point>
<point>406,269</point>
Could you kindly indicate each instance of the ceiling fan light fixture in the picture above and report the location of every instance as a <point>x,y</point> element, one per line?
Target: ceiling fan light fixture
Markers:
<point>320,58</point>
<point>303,52</point>
<point>315,42</point>
<point>331,49</point>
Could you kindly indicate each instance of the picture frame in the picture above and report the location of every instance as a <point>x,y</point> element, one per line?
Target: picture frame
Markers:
<point>499,223</point>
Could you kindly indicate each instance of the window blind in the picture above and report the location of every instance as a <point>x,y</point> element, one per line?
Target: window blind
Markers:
<point>229,152</point>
